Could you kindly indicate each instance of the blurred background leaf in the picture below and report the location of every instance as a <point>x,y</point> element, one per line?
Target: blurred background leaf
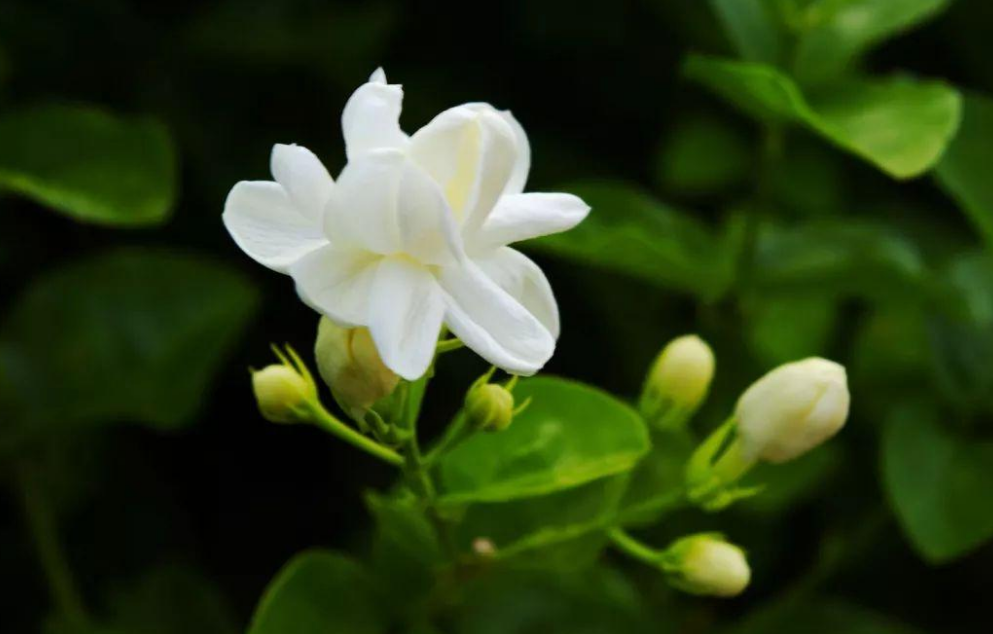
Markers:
<point>90,165</point>
<point>130,335</point>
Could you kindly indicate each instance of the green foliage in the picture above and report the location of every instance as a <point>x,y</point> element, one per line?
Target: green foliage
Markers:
<point>632,233</point>
<point>89,165</point>
<point>319,591</point>
<point>789,327</point>
<point>172,599</point>
<point>702,156</point>
<point>569,434</point>
<point>964,169</point>
<point>937,482</point>
<point>133,335</point>
<point>838,258</point>
<point>834,33</point>
<point>819,616</point>
<point>900,125</point>
<point>754,27</point>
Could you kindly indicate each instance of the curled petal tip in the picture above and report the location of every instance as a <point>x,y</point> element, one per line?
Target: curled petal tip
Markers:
<point>378,76</point>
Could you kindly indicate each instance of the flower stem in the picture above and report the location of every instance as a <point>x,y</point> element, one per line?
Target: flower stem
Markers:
<point>329,423</point>
<point>630,546</point>
<point>44,531</point>
<point>453,436</point>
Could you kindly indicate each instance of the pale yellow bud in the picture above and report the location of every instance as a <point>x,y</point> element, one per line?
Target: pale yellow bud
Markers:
<point>681,373</point>
<point>792,409</point>
<point>281,391</point>
<point>349,363</point>
<point>707,564</point>
<point>490,406</point>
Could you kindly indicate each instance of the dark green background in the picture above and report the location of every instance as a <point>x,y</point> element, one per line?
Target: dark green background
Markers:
<point>598,88</point>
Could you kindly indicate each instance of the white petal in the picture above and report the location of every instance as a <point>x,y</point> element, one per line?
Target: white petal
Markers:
<point>515,273</point>
<point>337,282</point>
<point>362,208</point>
<point>304,178</point>
<point>492,323</point>
<point>405,316</point>
<point>470,152</point>
<point>522,166</point>
<point>524,216</point>
<point>378,76</point>
<point>427,227</point>
<point>268,226</point>
<point>371,118</point>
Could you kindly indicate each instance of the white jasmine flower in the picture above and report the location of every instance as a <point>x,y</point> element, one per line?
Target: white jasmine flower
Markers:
<point>414,233</point>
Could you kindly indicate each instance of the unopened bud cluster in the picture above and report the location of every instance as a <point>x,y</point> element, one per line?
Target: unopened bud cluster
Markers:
<point>284,391</point>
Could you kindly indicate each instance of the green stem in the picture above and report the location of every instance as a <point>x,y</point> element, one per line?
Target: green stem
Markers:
<point>44,531</point>
<point>325,420</point>
<point>453,436</point>
<point>447,345</point>
<point>630,546</point>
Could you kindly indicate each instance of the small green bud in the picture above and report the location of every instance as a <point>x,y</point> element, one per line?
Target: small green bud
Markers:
<point>707,564</point>
<point>678,381</point>
<point>490,406</point>
<point>348,361</point>
<point>284,390</point>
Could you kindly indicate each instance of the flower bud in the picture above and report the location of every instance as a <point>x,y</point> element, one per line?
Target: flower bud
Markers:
<point>490,406</point>
<point>281,391</point>
<point>707,564</point>
<point>679,378</point>
<point>348,361</point>
<point>792,409</point>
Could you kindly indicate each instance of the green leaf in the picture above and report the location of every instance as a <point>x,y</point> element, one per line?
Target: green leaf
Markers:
<point>562,530</point>
<point>961,333</point>
<point>656,485</point>
<point>134,335</point>
<point>630,232</point>
<point>701,156</point>
<point>319,592</point>
<point>833,33</point>
<point>570,434</point>
<point>90,165</point>
<point>592,601</point>
<point>937,483</point>
<point>754,27</point>
<point>171,600</point>
<point>817,616</point>
<point>837,257</point>
<point>964,169</point>
<point>899,124</point>
<point>787,328</point>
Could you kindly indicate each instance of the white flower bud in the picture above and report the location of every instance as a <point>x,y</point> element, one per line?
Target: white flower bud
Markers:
<point>707,564</point>
<point>792,409</point>
<point>281,391</point>
<point>490,406</point>
<point>348,361</point>
<point>680,376</point>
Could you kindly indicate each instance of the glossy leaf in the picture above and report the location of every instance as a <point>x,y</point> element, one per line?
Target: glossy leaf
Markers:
<point>570,434</point>
<point>899,124</point>
<point>833,33</point>
<point>630,232</point>
<point>937,483</point>
<point>754,27</point>
<point>964,169</point>
<point>132,335</point>
<point>319,592</point>
<point>838,257</point>
<point>562,530</point>
<point>90,165</point>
